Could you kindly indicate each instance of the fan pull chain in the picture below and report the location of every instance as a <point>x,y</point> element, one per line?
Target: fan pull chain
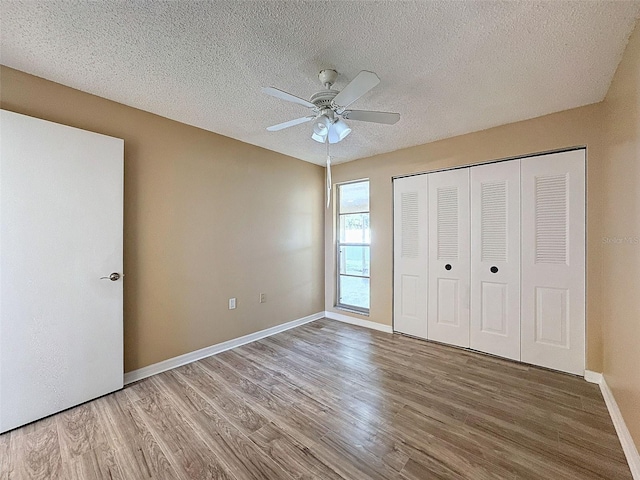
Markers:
<point>328,174</point>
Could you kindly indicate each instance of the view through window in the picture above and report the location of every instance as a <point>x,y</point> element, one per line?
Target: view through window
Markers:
<point>354,243</point>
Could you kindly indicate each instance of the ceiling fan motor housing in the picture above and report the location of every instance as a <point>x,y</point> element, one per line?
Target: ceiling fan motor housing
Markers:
<point>323,98</point>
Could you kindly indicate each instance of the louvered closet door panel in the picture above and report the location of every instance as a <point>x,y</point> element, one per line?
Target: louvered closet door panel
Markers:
<point>495,259</point>
<point>448,262</point>
<point>553,261</point>
<point>410,255</point>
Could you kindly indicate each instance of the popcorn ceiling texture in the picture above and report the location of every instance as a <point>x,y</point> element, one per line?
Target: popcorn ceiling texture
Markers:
<point>448,67</point>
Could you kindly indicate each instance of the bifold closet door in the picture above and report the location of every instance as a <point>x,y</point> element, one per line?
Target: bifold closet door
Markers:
<point>410,255</point>
<point>448,261</point>
<point>495,259</point>
<point>553,261</point>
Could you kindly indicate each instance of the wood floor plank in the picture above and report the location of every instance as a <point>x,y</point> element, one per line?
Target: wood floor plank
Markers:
<point>80,431</point>
<point>293,457</point>
<point>430,469</point>
<point>596,462</point>
<point>256,373</point>
<point>242,456</point>
<point>135,448</point>
<point>319,358</point>
<point>285,411</point>
<point>448,445</point>
<point>515,407</point>
<point>331,401</point>
<point>96,464</point>
<point>180,392</point>
<point>141,389</point>
<point>36,454</point>
<point>304,429</point>
<point>595,406</point>
<point>386,365</point>
<point>349,423</point>
<point>361,404</point>
<point>367,464</point>
<point>5,456</point>
<point>612,451</point>
<point>231,405</point>
<point>535,454</point>
<point>184,449</point>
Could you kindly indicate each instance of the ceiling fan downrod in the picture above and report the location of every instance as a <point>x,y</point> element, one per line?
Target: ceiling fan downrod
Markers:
<point>327,78</point>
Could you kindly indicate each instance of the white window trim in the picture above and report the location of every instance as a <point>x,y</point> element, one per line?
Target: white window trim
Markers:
<point>338,305</point>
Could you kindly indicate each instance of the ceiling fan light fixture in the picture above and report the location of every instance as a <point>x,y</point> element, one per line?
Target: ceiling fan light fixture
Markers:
<point>319,138</point>
<point>333,135</point>
<point>321,125</point>
<point>338,131</point>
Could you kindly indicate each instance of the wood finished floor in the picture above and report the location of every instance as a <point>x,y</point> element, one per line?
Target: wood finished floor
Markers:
<point>329,401</point>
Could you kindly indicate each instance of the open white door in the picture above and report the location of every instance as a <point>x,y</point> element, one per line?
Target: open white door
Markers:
<point>495,259</point>
<point>449,268</point>
<point>553,261</point>
<point>61,200</point>
<point>410,255</point>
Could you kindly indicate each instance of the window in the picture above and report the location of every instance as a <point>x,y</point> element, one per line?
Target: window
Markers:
<point>354,243</point>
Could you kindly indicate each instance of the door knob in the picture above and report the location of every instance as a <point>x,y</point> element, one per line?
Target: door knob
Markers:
<point>447,266</point>
<point>113,277</point>
<point>494,269</point>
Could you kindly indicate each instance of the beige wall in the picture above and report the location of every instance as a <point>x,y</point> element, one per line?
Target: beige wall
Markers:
<point>577,127</point>
<point>206,218</point>
<point>621,261</point>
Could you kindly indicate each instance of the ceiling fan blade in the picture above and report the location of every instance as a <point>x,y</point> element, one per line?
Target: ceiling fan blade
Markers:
<point>290,123</point>
<point>360,85</point>
<point>370,116</point>
<point>274,92</point>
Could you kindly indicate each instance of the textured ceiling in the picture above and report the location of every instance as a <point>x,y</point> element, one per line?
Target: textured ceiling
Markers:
<point>449,67</point>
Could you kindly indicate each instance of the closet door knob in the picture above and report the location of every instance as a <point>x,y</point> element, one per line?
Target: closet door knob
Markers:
<point>114,277</point>
<point>447,266</point>
<point>494,269</point>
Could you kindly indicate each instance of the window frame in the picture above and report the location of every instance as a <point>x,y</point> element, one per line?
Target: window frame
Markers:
<point>339,245</point>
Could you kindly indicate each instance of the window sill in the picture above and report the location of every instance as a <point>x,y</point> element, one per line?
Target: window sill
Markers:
<point>351,310</point>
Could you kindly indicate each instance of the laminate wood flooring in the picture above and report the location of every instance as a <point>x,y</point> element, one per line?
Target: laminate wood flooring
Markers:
<point>330,401</point>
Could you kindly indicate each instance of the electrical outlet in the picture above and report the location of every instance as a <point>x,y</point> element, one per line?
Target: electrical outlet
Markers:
<point>232,303</point>
<point>263,297</point>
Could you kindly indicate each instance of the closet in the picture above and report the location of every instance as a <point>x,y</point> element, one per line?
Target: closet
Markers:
<point>491,257</point>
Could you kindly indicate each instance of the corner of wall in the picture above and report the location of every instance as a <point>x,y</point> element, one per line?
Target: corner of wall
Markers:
<point>621,237</point>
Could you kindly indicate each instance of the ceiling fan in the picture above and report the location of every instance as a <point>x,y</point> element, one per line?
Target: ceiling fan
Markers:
<point>329,107</point>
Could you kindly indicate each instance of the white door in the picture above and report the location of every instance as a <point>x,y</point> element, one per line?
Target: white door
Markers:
<point>553,261</point>
<point>448,263</point>
<point>61,199</point>
<point>410,255</point>
<point>495,259</point>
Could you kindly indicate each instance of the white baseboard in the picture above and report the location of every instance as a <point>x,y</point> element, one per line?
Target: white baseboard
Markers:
<point>592,377</point>
<point>358,321</point>
<point>628,446</point>
<point>180,360</point>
